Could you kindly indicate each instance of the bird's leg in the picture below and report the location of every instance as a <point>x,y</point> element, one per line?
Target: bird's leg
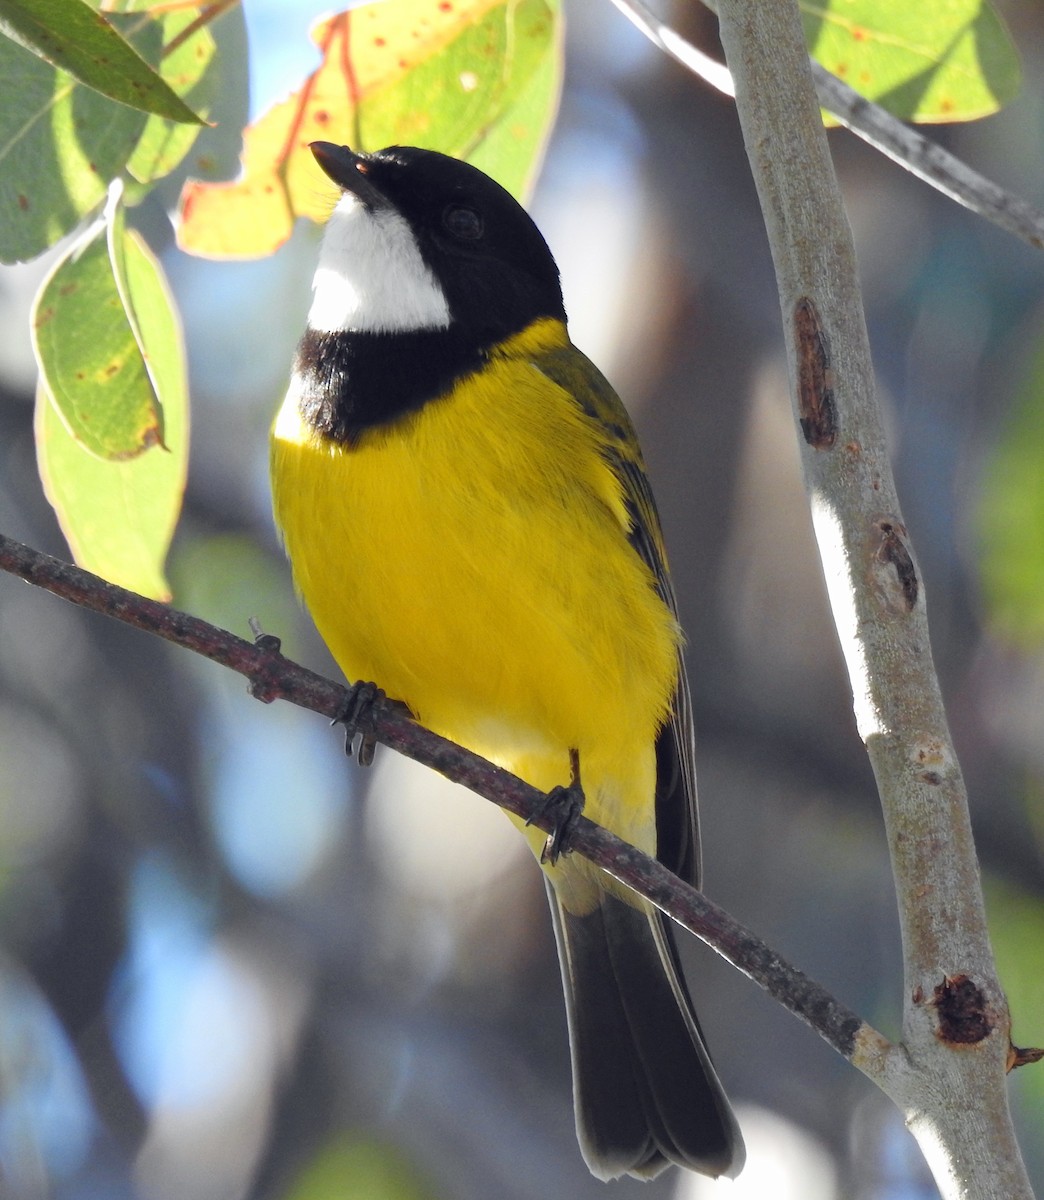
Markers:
<point>356,715</point>
<point>567,803</point>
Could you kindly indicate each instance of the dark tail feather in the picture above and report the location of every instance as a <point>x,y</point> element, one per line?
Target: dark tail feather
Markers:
<point>646,1093</point>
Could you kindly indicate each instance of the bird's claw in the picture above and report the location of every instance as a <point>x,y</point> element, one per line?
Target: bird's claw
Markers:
<point>356,715</point>
<point>567,804</point>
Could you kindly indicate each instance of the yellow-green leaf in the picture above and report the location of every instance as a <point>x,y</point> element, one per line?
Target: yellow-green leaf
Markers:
<point>60,145</point>
<point>496,82</point>
<point>934,60</point>
<point>89,357</point>
<point>119,515</point>
<point>467,78</point>
<point>512,148</point>
<point>349,1167</point>
<point>191,70</point>
<point>71,35</point>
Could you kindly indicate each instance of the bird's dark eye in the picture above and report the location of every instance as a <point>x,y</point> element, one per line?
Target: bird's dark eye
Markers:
<point>463,222</point>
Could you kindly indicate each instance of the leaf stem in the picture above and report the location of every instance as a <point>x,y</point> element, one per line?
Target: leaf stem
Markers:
<point>207,16</point>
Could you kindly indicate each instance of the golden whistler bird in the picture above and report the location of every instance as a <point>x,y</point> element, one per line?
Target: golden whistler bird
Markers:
<point>465,508</point>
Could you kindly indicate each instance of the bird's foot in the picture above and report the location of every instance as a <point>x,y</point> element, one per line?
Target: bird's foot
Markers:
<point>567,804</point>
<point>356,715</point>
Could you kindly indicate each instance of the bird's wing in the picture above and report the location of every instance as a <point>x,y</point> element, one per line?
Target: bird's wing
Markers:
<point>677,822</point>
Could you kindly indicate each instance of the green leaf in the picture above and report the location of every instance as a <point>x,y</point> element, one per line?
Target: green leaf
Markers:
<point>936,60</point>
<point>225,576</point>
<point>472,78</point>
<point>191,70</point>
<point>60,146</point>
<point>512,148</point>
<point>119,515</point>
<point>71,35</point>
<point>489,95</point>
<point>1011,519</point>
<point>349,1167</point>
<point>86,346</point>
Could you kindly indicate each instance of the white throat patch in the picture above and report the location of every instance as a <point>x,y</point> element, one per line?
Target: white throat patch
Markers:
<point>371,276</point>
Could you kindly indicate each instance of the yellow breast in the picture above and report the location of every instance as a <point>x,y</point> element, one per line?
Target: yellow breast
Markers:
<point>472,559</point>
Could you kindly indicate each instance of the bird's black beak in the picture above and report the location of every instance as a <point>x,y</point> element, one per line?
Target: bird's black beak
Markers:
<point>350,171</point>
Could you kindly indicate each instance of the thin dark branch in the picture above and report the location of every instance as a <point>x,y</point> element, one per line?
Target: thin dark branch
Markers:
<point>928,160</point>
<point>911,150</point>
<point>272,677</point>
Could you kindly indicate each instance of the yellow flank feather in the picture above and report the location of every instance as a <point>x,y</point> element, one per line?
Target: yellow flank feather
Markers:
<point>473,560</point>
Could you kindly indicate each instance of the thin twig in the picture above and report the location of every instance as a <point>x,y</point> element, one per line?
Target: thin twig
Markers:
<point>675,46</point>
<point>911,150</point>
<point>928,161</point>
<point>274,677</point>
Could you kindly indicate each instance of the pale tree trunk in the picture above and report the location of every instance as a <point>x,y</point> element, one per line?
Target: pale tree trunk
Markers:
<point>949,1074</point>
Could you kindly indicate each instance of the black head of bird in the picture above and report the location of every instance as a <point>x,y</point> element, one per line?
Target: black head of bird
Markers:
<point>421,241</point>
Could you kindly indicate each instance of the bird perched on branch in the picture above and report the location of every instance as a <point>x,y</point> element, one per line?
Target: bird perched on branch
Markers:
<point>466,511</point>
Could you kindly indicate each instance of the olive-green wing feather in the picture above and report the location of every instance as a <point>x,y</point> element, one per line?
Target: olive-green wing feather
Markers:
<point>677,821</point>
<point>646,1092</point>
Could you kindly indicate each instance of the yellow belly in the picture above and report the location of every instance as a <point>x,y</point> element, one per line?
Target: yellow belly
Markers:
<point>472,560</point>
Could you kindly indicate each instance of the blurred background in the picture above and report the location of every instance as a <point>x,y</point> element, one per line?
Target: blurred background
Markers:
<point>235,965</point>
